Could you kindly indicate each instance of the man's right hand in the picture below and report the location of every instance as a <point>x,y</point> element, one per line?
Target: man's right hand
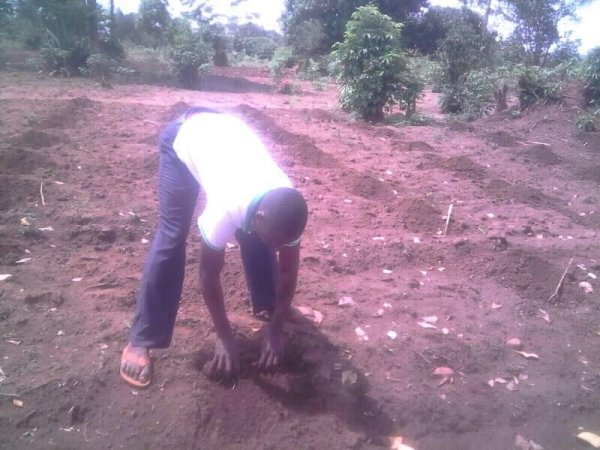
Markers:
<point>225,364</point>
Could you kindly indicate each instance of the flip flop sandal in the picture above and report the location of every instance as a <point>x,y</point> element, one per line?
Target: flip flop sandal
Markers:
<point>139,361</point>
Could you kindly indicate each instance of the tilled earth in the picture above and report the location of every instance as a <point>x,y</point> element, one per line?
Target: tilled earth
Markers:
<point>403,290</point>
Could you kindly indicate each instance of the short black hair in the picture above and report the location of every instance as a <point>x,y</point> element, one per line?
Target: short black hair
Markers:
<point>285,210</point>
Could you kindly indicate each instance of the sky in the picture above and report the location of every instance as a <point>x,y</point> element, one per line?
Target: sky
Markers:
<point>268,13</point>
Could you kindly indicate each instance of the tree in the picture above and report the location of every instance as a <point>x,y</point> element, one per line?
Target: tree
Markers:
<point>425,32</point>
<point>536,24</point>
<point>373,67</point>
<point>468,46</point>
<point>153,22</point>
<point>6,16</point>
<point>591,91</point>
<point>333,15</point>
<point>93,26</point>
<point>307,39</point>
<point>190,54</point>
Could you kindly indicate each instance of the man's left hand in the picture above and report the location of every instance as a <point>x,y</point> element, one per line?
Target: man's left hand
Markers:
<point>272,349</point>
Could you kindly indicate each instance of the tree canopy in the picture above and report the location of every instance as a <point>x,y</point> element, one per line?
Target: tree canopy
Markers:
<point>332,16</point>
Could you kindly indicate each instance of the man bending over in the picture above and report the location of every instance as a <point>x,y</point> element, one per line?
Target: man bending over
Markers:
<point>247,196</point>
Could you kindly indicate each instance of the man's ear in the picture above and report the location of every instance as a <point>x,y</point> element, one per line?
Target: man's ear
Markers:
<point>257,219</point>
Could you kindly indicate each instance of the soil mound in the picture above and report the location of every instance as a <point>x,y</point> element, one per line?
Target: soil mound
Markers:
<point>23,161</point>
<point>591,173</point>
<point>37,139</point>
<point>505,191</point>
<point>418,215</point>
<point>541,154</point>
<point>68,113</point>
<point>15,190</point>
<point>420,146</point>
<point>461,166</point>
<point>368,186</point>
<point>503,138</point>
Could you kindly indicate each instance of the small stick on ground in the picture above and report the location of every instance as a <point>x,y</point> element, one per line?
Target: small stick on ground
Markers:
<point>558,290</point>
<point>151,122</point>
<point>450,208</point>
<point>42,193</point>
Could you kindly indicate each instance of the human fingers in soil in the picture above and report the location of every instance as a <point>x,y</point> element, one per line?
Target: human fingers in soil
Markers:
<point>225,364</point>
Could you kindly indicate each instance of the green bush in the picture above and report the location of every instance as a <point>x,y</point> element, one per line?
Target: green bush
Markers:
<point>586,122</point>
<point>100,67</point>
<point>190,58</point>
<point>282,59</point>
<point>537,85</point>
<point>591,91</point>
<point>190,61</point>
<point>112,48</point>
<point>65,62</point>
<point>473,98</point>
<point>259,46</point>
<point>425,69</point>
<point>373,71</point>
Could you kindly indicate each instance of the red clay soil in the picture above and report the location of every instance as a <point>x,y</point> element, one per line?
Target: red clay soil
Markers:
<point>525,196</point>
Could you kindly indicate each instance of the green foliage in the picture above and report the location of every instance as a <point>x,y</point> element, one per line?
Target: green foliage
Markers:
<point>190,57</point>
<point>591,92</point>
<point>467,49</point>
<point>537,85</point>
<point>536,25</point>
<point>467,46</point>
<point>153,22</point>
<point>479,94</point>
<point>57,61</point>
<point>425,68</point>
<point>332,16</point>
<point>586,122</point>
<point>112,48</point>
<point>65,37</point>
<point>146,65</point>
<point>100,67</point>
<point>259,46</point>
<point>282,59</point>
<point>424,33</point>
<point>373,68</point>
<point>306,39</point>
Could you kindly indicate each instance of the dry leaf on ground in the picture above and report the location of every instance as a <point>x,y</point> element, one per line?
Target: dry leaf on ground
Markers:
<point>427,325</point>
<point>531,356</point>
<point>591,438</point>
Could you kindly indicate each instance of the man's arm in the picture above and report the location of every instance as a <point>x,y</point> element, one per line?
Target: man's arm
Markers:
<point>225,361</point>
<point>289,260</point>
<point>273,344</point>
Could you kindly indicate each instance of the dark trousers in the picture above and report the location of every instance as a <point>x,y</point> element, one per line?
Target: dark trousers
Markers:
<point>162,279</point>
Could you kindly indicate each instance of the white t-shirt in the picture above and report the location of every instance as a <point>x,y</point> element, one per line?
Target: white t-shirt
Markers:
<point>232,166</point>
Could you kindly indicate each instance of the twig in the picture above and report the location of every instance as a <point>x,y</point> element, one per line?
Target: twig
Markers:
<point>558,289</point>
<point>423,358</point>
<point>151,122</point>
<point>2,394</point>
<point>533,143</point>
<point>42,193</point>
<point>448,218</point>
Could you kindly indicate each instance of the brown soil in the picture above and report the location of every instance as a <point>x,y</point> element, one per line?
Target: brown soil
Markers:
<point>525,201</point>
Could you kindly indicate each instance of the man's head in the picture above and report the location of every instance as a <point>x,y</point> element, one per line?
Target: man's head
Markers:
<point>281,217</point>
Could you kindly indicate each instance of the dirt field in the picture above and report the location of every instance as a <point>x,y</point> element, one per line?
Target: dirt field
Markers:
<point>526,199</point>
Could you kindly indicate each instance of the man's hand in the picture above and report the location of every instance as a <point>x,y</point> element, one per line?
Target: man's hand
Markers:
<point>272,348</point>
<point>226,362</point>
